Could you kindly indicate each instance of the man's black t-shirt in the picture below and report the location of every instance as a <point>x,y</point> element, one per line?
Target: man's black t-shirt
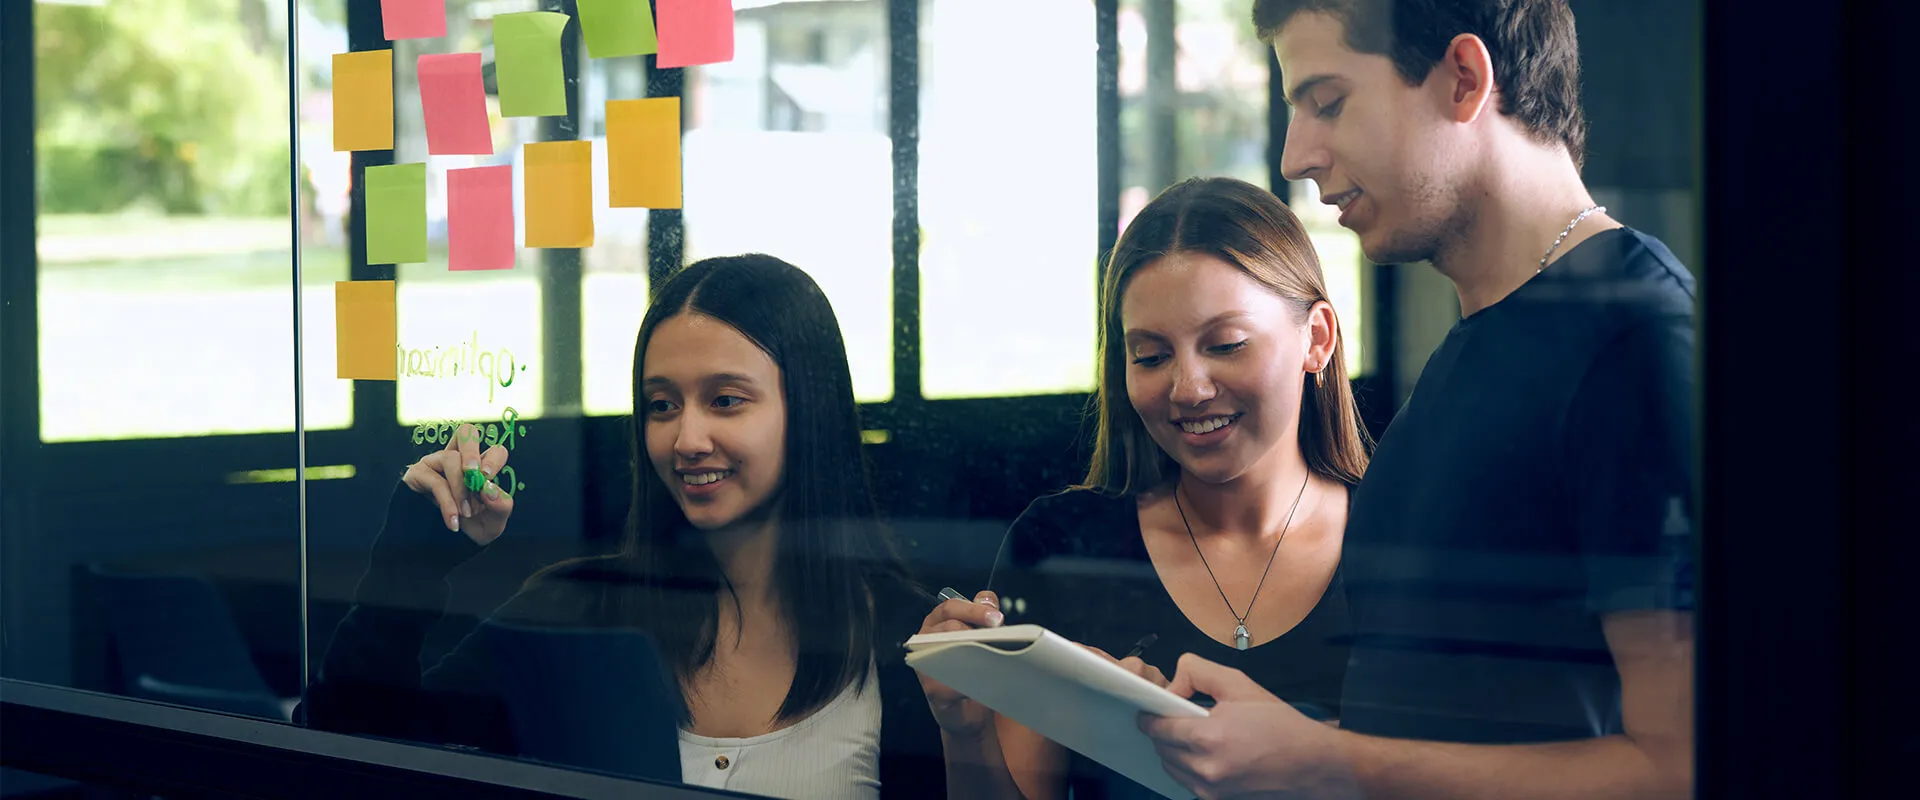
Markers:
<point>1538,478</point>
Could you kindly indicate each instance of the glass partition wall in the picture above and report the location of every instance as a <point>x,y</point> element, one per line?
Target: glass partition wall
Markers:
<point>288,254</point>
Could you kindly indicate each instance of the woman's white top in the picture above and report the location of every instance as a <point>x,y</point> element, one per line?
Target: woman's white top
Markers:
<point>834,752</point>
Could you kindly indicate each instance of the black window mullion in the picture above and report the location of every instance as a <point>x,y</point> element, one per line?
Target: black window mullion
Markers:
<point>1277,119</point>
<point>1106,33</point>
<point>903,115</point>
<point>19,300</point>
<point>1162,99</point>
<point>560,268</point>
<point>666,227</point>
<point>375,403</point>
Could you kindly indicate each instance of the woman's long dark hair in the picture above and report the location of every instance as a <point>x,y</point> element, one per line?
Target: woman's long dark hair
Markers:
<point>832,549</point>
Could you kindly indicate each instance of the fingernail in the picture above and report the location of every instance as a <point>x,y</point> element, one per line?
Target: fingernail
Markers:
<point>453,524</point>
<point>473,465</point>
<point>994,618</point>
<point>466,508</point>
<point>493,490</point>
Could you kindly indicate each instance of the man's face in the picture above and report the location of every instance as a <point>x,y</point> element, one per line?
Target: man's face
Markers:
<point>1383,151</point>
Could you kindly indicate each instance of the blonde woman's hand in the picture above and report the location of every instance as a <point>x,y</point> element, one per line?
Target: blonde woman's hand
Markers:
<point>957,714</point>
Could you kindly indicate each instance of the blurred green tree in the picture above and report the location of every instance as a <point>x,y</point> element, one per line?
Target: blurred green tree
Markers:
<point>177,106</point>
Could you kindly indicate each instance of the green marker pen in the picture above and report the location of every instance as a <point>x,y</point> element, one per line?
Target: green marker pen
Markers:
<point>476,480</point>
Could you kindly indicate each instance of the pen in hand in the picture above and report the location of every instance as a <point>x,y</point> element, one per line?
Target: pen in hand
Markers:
<point>948,593</point>
<point>1141,646</point>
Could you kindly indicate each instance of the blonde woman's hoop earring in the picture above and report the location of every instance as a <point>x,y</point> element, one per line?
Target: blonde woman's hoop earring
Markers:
<point>1320,377</point>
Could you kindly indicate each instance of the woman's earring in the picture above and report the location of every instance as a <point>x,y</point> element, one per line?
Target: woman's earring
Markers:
<point>1320,378</point>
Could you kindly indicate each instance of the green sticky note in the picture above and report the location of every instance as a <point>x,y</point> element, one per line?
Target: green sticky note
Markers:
<point>616,28</point>
<point>397,214</point>
<point>527,66</point>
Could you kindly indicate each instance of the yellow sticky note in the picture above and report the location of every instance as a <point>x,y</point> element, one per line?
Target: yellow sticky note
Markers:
<point>364,330</point>
<point>558,192</point>
<point>363,100</point>
<point>643,153</point>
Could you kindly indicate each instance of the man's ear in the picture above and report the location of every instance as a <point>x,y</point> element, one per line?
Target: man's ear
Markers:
<point>1466,73</point>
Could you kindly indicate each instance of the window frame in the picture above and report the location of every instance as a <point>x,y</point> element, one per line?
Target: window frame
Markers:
<point>19,279</point>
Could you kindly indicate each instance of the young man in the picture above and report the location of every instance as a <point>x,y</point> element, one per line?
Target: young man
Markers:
<point>1517,556</point>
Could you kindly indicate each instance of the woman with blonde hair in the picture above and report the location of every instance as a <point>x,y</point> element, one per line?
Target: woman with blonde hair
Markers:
<point>1227,440</point>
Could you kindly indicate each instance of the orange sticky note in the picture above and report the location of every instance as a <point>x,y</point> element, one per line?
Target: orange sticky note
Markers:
<point>559,194</point>
<point>413,19</point>
<point>643,153</point>
<point>480,218</point>
<point>454,103</point>
<point>363,100</point>
<point>364,330</point>
<point>694,32</point>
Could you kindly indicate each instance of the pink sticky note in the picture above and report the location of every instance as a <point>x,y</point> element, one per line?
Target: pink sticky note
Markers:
<point>694,32</point>
<point>480,218</point>
<point>455,104</point>
<point>414,19</point>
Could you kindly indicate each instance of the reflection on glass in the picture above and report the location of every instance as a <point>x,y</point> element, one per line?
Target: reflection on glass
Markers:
<point>786,153</point>
<point>1007,198</point>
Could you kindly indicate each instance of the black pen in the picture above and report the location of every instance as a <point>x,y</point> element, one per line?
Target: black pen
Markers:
<point>1141,646</point>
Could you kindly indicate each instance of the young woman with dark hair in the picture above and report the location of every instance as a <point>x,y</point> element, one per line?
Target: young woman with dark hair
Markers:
<point>753,557</point>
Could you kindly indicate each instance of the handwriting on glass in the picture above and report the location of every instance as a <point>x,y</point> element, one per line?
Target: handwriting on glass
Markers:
<point>496,368</point>
<point>506,433</point>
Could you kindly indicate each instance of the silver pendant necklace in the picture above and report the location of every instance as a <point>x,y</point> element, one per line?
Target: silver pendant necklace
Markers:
<point>1241,638</point>
<point>1591,210</point>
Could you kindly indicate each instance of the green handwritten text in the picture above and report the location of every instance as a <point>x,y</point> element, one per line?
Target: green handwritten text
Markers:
<point>495,368</point>
<point>507,433</point>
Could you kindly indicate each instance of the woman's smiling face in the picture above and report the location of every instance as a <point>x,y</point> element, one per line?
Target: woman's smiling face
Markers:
<point>1215,363</point>
<point>716,419</point>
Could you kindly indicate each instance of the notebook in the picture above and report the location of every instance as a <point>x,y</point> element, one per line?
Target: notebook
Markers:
<point>1060,690</point>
